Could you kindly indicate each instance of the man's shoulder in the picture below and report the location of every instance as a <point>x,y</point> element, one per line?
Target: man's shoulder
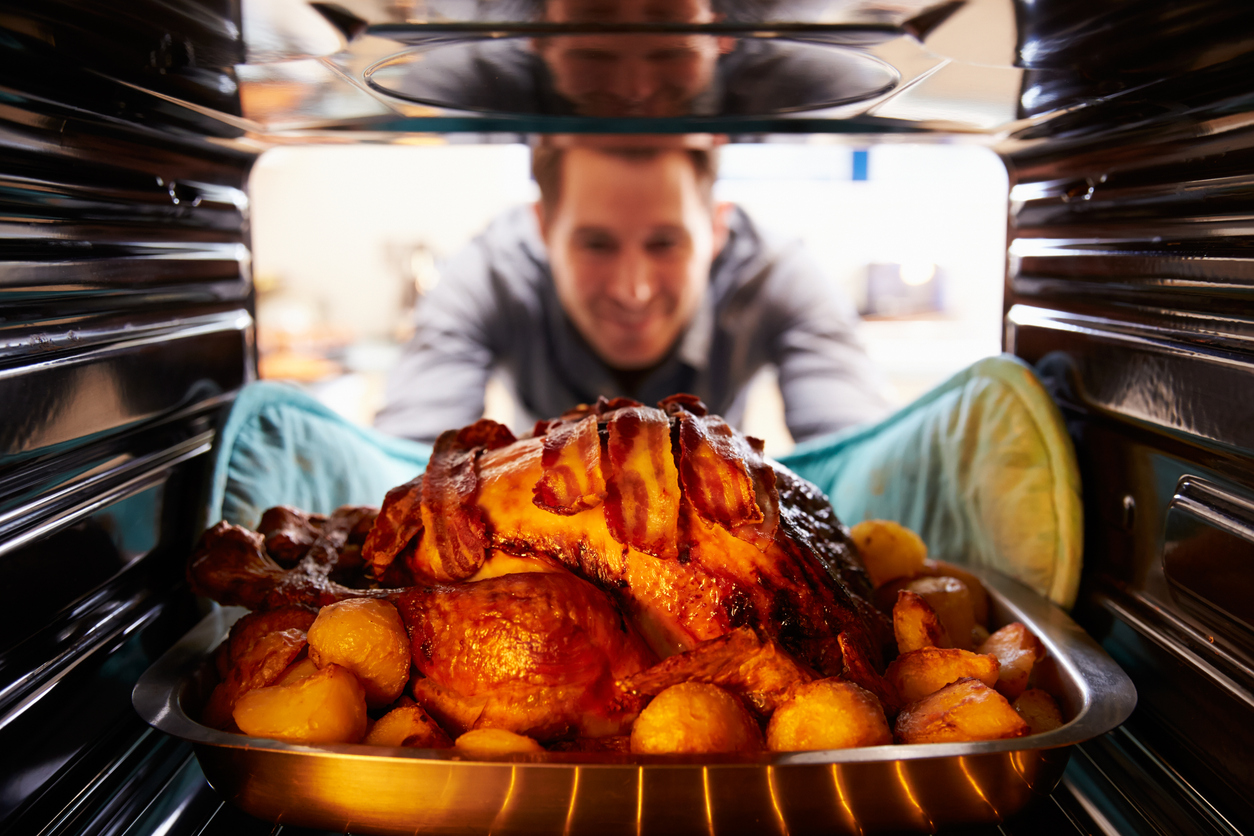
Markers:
<point>754,253</point>
<point>511,245</point>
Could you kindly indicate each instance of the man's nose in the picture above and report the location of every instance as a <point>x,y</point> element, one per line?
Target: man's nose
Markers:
<point>636,80</point>
<point>633,284</point>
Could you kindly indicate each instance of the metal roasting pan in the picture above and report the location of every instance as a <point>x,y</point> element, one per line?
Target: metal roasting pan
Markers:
<point>368,790</point>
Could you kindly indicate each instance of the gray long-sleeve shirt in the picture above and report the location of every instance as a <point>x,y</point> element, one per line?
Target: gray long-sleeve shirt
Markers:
<point>495,308</point>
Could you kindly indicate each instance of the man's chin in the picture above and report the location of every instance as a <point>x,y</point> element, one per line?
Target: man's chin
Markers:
<point>631,358</point>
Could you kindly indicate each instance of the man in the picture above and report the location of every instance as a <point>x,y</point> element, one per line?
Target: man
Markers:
<point>626,278</point>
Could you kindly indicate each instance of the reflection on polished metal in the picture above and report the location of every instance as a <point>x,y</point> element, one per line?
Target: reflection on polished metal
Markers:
<point>572,65</point>
<point>574,794</point>
<point>640,801</point>
<point>849,819</point>
<point>779,814</point>
<point>632,75</point>
<point>975,786</point>
<point>915,808</point>
<point>913,788</point>
<point>709,806</point>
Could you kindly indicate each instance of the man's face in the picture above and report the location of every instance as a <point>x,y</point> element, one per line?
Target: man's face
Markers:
<point>630,245</point>
<point>630,75</point>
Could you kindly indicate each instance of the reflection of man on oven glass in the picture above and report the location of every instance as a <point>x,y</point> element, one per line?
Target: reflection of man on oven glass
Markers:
<point>636,74</point>
<point>628,279</point>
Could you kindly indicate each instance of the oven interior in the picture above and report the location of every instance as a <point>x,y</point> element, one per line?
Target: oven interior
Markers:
<point>128,303</point>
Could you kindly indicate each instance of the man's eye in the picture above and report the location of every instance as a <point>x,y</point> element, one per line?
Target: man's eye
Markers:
<point>661,246</point>
<point>593,56</point>
<point>661,56</point>
<point>599,245</point>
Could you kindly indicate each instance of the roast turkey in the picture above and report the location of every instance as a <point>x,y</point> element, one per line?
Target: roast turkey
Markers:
<point>542,579</point>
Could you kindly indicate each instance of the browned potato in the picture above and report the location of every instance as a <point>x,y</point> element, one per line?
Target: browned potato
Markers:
<point>366,636</point>
<point>408,725</point>
<point>326,707</point>
<point>963,710</point>
<point>695,717</point>
<point>828,714</point>
<point>888,550</point>
<point>258,665</point>
<point>951,600</point>
<point>928,669</point>
<point>916,625</point>
<point>1039,710</point>
<point>979,595</point>
<point>487,743</point>
<point>1017,651</point>
<point>297,671</point>
<point>254,626</point>
<point>979,635</point>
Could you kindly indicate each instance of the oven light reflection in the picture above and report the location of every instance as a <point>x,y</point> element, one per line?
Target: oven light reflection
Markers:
<point>574,795</point>
<point>640,802</point>
<point>843,798</point>
<point>899,768</point>
<point>975,785</point>
<point>502,819</point>
<point>779,814</point>
<point>1019,763</point>
<point>709,806</point>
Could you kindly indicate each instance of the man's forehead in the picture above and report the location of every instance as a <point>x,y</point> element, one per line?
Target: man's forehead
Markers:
<point>581,158</point>
<point>663,181</point>
<point>628,11</point>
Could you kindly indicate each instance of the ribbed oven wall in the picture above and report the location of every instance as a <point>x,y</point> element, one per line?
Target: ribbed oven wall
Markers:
<point>1130,284</point>
<point>125,328</point>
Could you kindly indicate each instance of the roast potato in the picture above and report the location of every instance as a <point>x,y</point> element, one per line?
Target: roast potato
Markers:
<point>695,717</point>
<point>951,600</point>
<point>297,671</point>
<point>407,725</point>
<point>828,714</point>
<point>252,627</point>
<point>328,706</point>
<point>1017,652</point>
<point>916,625</point>
<point>928,669</point>
<point>487,743</point>
<point>888,550</point>
<point>961,711</point>
<point>367,636</point>
<point>979,595</point>
<point>1039,709</point>
<point>258,664</point>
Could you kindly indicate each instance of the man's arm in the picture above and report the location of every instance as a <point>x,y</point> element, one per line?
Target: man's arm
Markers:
<point>827,380</point>
<point>439,382</point>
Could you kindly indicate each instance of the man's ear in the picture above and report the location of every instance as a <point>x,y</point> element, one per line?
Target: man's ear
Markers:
<point>721,217</point>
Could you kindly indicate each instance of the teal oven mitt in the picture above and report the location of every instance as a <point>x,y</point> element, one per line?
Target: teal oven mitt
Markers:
<point>281,447</point>
<point>981,467</point>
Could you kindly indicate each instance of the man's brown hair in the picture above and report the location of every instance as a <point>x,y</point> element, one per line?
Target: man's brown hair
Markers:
<point>547,160</point>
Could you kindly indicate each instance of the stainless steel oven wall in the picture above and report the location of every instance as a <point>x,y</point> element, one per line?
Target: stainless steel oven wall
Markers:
<point>1130,284</point>
<point>125,327</point>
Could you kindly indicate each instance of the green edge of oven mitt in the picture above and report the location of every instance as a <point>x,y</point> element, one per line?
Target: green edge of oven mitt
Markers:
<point>981,467</point>
<point>282,447</point>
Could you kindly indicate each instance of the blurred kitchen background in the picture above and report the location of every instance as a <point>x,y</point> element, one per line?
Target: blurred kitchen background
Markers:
<point>347,238</point>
